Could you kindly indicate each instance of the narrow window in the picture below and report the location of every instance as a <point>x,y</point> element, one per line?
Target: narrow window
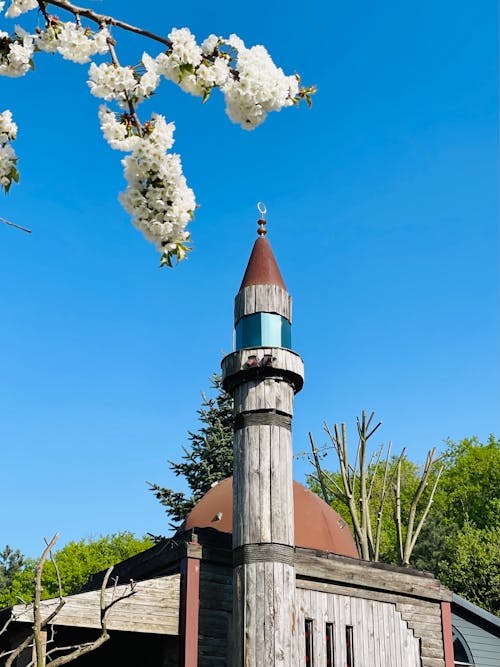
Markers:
<point>329,645</point>
<point>349,647</point>
<point>309,642</point>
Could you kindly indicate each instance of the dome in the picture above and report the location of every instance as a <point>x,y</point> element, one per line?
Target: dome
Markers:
<point>317,525</point>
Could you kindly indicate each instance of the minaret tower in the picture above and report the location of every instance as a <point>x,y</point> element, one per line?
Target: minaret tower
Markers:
<point>263,374</point>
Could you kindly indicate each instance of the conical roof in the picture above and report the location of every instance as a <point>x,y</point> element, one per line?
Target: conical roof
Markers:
<point>262,268</point>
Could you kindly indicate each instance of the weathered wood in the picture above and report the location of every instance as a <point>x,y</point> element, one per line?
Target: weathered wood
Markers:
<point>239,368</point>
<point>380,637</point>
<point>151,606</point>
<point>262,299</point>
<point>350,571</point>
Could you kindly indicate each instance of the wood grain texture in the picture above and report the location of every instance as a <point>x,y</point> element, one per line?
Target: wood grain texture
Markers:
<point>152,607</point>
<point>381,638</point>
<point>262,299</point>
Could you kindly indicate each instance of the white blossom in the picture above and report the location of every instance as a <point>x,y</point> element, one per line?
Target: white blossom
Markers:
<point>72,41</point>
<point>209,44</point>
<point>8,159</point>
<point>149,81</point>
<point>180,62</point>
<point>157,196</point>
<point>259,88</point>
<point>18,7</point>
<point>118,132</point>
<point>16,53</point>
<point>111,82</point>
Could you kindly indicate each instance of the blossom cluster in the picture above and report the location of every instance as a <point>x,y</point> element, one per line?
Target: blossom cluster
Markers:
<point>72,41</point>
<point>8,159</point>
<point>157,196</point>
<point>16,53</point>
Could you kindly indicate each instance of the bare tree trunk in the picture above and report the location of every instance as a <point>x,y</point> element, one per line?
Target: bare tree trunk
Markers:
<point>356,486</point>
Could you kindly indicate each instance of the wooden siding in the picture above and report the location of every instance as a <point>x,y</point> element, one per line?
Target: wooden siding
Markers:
<point>363,574</point>
<point>216,605</point>
<point>381,636</point>
<point>283,360</point>
<point>484,646</point>
<point>152,606</point>
<point>262,299</point>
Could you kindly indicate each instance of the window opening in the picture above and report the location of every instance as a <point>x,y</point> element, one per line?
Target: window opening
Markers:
<point>349,647</point>
<point>330,655</point>
<point>309,642</point>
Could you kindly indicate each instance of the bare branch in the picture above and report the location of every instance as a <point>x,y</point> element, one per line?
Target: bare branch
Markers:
<point>82,649</point>
<point>318,469</point>
<point>15,654</point>
<point>102,19</point>
<point>378,531</point>
<point>12,224</point>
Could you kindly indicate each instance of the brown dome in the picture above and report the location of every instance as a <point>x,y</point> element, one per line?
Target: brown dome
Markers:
<point>317,525</point>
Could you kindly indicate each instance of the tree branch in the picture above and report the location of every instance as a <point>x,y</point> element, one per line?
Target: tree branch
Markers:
<point>102,19</point>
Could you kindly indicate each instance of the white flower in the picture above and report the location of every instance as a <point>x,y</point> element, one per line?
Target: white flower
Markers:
<point>18,7</point>
<point>72,41</point>
<point>149,81</point>
<point>118,133</point>
<point>184,47</point>
<point>8,159</point>
<point>110,82</point>
<point>259,88</point>
<point>157,196</point>
<point>8,129</point>
<point>15,58</point>
<point>180,62</point>
<point>209,44</point>
<point>213,74</point>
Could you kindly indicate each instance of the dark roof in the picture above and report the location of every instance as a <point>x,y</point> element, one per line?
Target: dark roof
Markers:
<point>462,607</point>
<point>262,268</point>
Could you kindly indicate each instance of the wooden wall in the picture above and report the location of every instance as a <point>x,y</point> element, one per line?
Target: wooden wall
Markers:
<point>381,637</point>
<point>216,606</point>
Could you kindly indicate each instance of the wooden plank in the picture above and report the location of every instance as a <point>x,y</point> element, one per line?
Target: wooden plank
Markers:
<point>348,571</point>
<point>153,606</point>
<point>262,299</point>
<point>265,445</point>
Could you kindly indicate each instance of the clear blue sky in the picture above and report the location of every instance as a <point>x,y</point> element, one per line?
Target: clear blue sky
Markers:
<point>383,212</point>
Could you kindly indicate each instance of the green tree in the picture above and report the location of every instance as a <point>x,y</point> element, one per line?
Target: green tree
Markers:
<point>10,563</point>
<point>207,459</point>
<point>471,566</point>
<point>76,562</point>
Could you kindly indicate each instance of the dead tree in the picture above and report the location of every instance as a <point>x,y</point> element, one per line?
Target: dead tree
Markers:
<point>355,484</point>
<point>43,653</point>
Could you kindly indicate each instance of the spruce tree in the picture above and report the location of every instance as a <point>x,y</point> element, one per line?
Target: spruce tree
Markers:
<point>207,459</point>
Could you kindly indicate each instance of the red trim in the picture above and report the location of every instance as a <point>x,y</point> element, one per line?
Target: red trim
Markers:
<point>188,621</point>
<point>449,658</point>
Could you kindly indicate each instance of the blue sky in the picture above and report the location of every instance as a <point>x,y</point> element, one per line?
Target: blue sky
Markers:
<point>382,212</point>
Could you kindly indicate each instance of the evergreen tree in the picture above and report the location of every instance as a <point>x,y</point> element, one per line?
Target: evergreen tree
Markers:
<point>207,459</point>
<point>10,563</point>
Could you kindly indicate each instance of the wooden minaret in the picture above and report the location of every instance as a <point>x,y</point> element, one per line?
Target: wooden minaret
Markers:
<point>263,374</point>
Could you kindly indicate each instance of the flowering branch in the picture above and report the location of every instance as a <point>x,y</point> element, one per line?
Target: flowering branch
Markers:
<point>157,196</point>
<point>101,19</point>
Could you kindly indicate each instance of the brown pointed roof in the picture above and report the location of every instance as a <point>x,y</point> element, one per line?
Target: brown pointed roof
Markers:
<point>262,268</point>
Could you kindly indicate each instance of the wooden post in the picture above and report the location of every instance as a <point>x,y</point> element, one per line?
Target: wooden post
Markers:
<point>190,604</point>
<point>263,380</point>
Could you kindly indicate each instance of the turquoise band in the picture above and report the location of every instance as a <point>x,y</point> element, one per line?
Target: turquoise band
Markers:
<point>263,330</point>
